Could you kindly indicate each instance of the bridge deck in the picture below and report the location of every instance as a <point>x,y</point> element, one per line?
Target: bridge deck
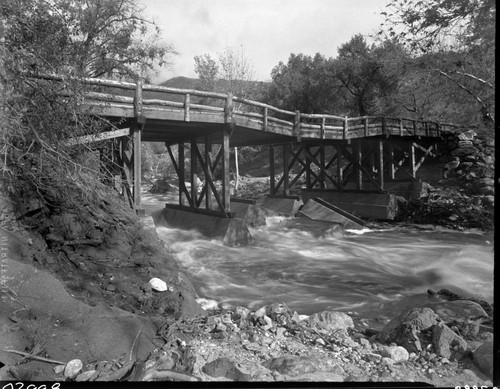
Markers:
<point>176,115</point>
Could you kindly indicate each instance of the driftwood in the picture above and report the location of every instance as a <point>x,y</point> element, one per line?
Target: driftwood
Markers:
<point>153,374</point>
<point>34,357</point>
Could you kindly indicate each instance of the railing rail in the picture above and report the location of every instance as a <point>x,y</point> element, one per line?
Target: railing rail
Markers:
<point>302,124</point>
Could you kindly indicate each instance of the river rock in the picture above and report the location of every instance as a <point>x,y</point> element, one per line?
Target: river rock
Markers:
<point>207,304</point>
<point>404,329</point>
<point>224,367</point>
<point>483,357</point>
<point>396,353</point>
<point>158,285</point>
<point>331,321</point>
<point>447,343</point>
<point>72,368</point>
<point>242,312</point>
<point>85,376</point>
<point>457,310</point>
<point>467,135</point>
<point>292,365</point>
<point>59,369</point>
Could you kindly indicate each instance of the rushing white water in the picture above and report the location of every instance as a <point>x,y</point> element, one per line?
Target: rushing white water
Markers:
<point>311,267</point>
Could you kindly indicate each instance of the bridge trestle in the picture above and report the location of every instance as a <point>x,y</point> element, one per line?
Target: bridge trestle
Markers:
<point>207,195</point>
<point>360,165</point>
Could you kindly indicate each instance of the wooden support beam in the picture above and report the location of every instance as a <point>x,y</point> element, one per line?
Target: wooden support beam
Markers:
<point>286,178</point>
<point>412,160</point>
<point>322,161</point>
<point>272,172</point>
<point>97,137</point>
<point>226,194</point>
<point>180,174</point>
<point>209,182</point>
<point>380,162</point>
<point>137,165</point>
<point>127,162</point>
<point>311,158</point>
<point>340,176</point>
<point>358,157</point>
<point>427,152</point>
<point>209,171</point>
<point>392,167</point>
<point>194,172</point>
<point>307,165</point>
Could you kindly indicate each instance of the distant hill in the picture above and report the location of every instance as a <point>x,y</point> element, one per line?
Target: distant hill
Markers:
<point>257,87</point>
<point>181,82</point>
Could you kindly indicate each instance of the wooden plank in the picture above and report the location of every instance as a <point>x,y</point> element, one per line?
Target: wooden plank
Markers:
<point>187,103</point>
<point>97,137</point>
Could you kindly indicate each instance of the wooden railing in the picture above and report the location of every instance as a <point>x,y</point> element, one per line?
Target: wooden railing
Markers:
<point>232,109</point>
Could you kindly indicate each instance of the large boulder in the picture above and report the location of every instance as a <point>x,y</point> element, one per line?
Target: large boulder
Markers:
<point>483,357</point>
<point>457,310</point>
<point>447,343</point>
<point>405,329</point>
<point>292,365</point>
<point>331,321</point>
<point>225,368</point>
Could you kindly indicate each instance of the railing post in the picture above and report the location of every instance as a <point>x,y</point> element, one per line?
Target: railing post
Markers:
<point>400,127</point>
<point>414,128</point>
<point>187,105</point>
<point>138,98</point>
<point>366,127</point>
<point>296,127</point>
<point>346,127</point>
<point>384,126</point>
<point>228,111</point>
<point>266,113</point>
<point>323,122</point>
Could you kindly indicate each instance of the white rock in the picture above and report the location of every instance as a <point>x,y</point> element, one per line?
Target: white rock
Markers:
<point>387,361</point>
<point>59,369</point>
<point>260,312</point>
<point>242,312</point>
<point>158,285</point>
<point>396,353</point>
<point>208,305</point>
<point>72,368</point>
<point>85,376</point>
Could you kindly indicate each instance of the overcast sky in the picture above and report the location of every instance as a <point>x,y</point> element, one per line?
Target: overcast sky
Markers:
<point>267,31</point>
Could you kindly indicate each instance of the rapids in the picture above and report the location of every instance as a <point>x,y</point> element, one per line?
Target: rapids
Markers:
<point>374,274</point>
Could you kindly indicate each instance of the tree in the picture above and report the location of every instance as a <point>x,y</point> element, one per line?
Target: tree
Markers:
<point>304,83</point>
<point>92,38</point>
<point>461,33</point>
<point>71,38</point>
<point>232,72</point>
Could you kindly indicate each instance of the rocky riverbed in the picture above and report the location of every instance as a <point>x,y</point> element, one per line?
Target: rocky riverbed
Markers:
<point>62,333</point>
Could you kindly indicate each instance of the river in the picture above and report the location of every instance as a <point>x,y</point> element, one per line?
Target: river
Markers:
<point>311,268</point>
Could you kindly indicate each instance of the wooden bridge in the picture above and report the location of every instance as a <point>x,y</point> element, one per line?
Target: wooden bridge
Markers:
<point>333,153</point>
